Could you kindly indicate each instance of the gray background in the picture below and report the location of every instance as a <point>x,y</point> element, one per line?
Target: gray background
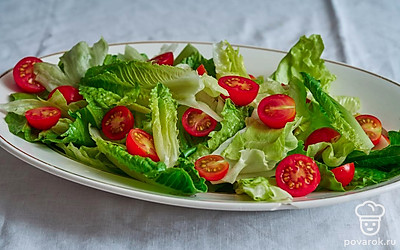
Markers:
<point>41,211</point>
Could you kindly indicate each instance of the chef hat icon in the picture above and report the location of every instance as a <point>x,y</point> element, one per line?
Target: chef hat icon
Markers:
<point>369,214</point>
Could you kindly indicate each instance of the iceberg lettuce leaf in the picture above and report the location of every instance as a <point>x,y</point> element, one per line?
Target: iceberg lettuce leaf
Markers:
<point>227,60</point>
<point>260,189</point>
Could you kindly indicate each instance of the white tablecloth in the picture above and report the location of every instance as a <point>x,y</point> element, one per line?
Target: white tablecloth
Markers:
<point>41,211</point>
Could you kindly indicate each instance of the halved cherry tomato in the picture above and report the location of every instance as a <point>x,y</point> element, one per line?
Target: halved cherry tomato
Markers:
<point>117,123</point>
<point>382,143</point>
<point>70,93</point>
<point>141,143</point>
<point>344,174</point>
<point>198,123</point>
<point>276,110</point>
<point>201,70</point>
<point>298,175</point>
<point>372,127</point>
<point>325,134</point>
<point>242,91</point>
<point>212,167</point>
<point>163,59</point>
<point>24,76</point>
<point>43,118</point>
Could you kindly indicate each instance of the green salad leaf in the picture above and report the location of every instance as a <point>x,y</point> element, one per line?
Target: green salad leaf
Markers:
<point>172,180</point>
<point>340,118</point>
<point>75,63</point>
<point>164,124</point>
<point>260,189</point>
<point>304,56</point>
<point>227,60</point>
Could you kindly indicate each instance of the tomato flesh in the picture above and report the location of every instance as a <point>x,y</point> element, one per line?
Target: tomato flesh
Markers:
<point>276,110</point>
<point>212,167</point>
<point>141,143</point>
<point>382,143</point>
<point>325,134</point>
<point>43,118</point>
<point>197,123</point>
<point>298,175</point>
<point>201,70</point>
<point>117,123</point>
<point>163,59</point>
<point>372,126</point>
<point>242,91</point>
<point>344,174</point>
<point>24,76</point>
<point>70,93</point>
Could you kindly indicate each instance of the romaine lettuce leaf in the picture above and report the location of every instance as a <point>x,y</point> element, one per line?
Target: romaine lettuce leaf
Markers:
<point>341,119</point>
<point>75,63</point>
<point>90,156</point>
<point>260,189</point>
<point>172,180</point>
<point>304,56</point>
<point>227,60</point>
<point>164,124</point>
<point>131,54</point>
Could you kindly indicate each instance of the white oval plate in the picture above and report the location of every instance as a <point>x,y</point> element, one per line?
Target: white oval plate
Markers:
<point>379,96</point>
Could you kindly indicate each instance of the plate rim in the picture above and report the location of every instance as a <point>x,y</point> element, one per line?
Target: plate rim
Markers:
<point>180,201</point>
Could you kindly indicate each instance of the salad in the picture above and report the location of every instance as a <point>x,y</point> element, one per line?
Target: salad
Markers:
<point>188,124</point>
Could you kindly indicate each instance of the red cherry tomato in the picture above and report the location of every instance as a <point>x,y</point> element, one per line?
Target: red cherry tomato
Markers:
<point>344,174</point>
<point>212,167</point>
<point>70,93</point>
<point>372,127</point>
<point>141,143</point>
<point>298,175</point>
<point>198,123</point>
<point>276,110</point>
<point>322,135</point>
<point>163,59</point>
<point>43,118</point>
<point>242,91</point>
<point>117,123</point>
<point>382,143</point>
<point>24,76</point>
<point>201,70</point>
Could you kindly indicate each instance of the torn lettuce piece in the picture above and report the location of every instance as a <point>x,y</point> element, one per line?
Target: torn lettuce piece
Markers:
<point>131,54</point>
<point>340,118</point>
<point>75,63</point>
<point>90,156</point>
<point>364,176</point>
<point>227,60</point>
<point>328,180</point>
<point>304,56</point>
<point>352,104</point>
<point>57,100</point>
<point>18,125</point>
<point>332,154</point>
<point>164,124</point>
<point>171,180</point>
<point>260,189</point>
<point>258,149</point>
